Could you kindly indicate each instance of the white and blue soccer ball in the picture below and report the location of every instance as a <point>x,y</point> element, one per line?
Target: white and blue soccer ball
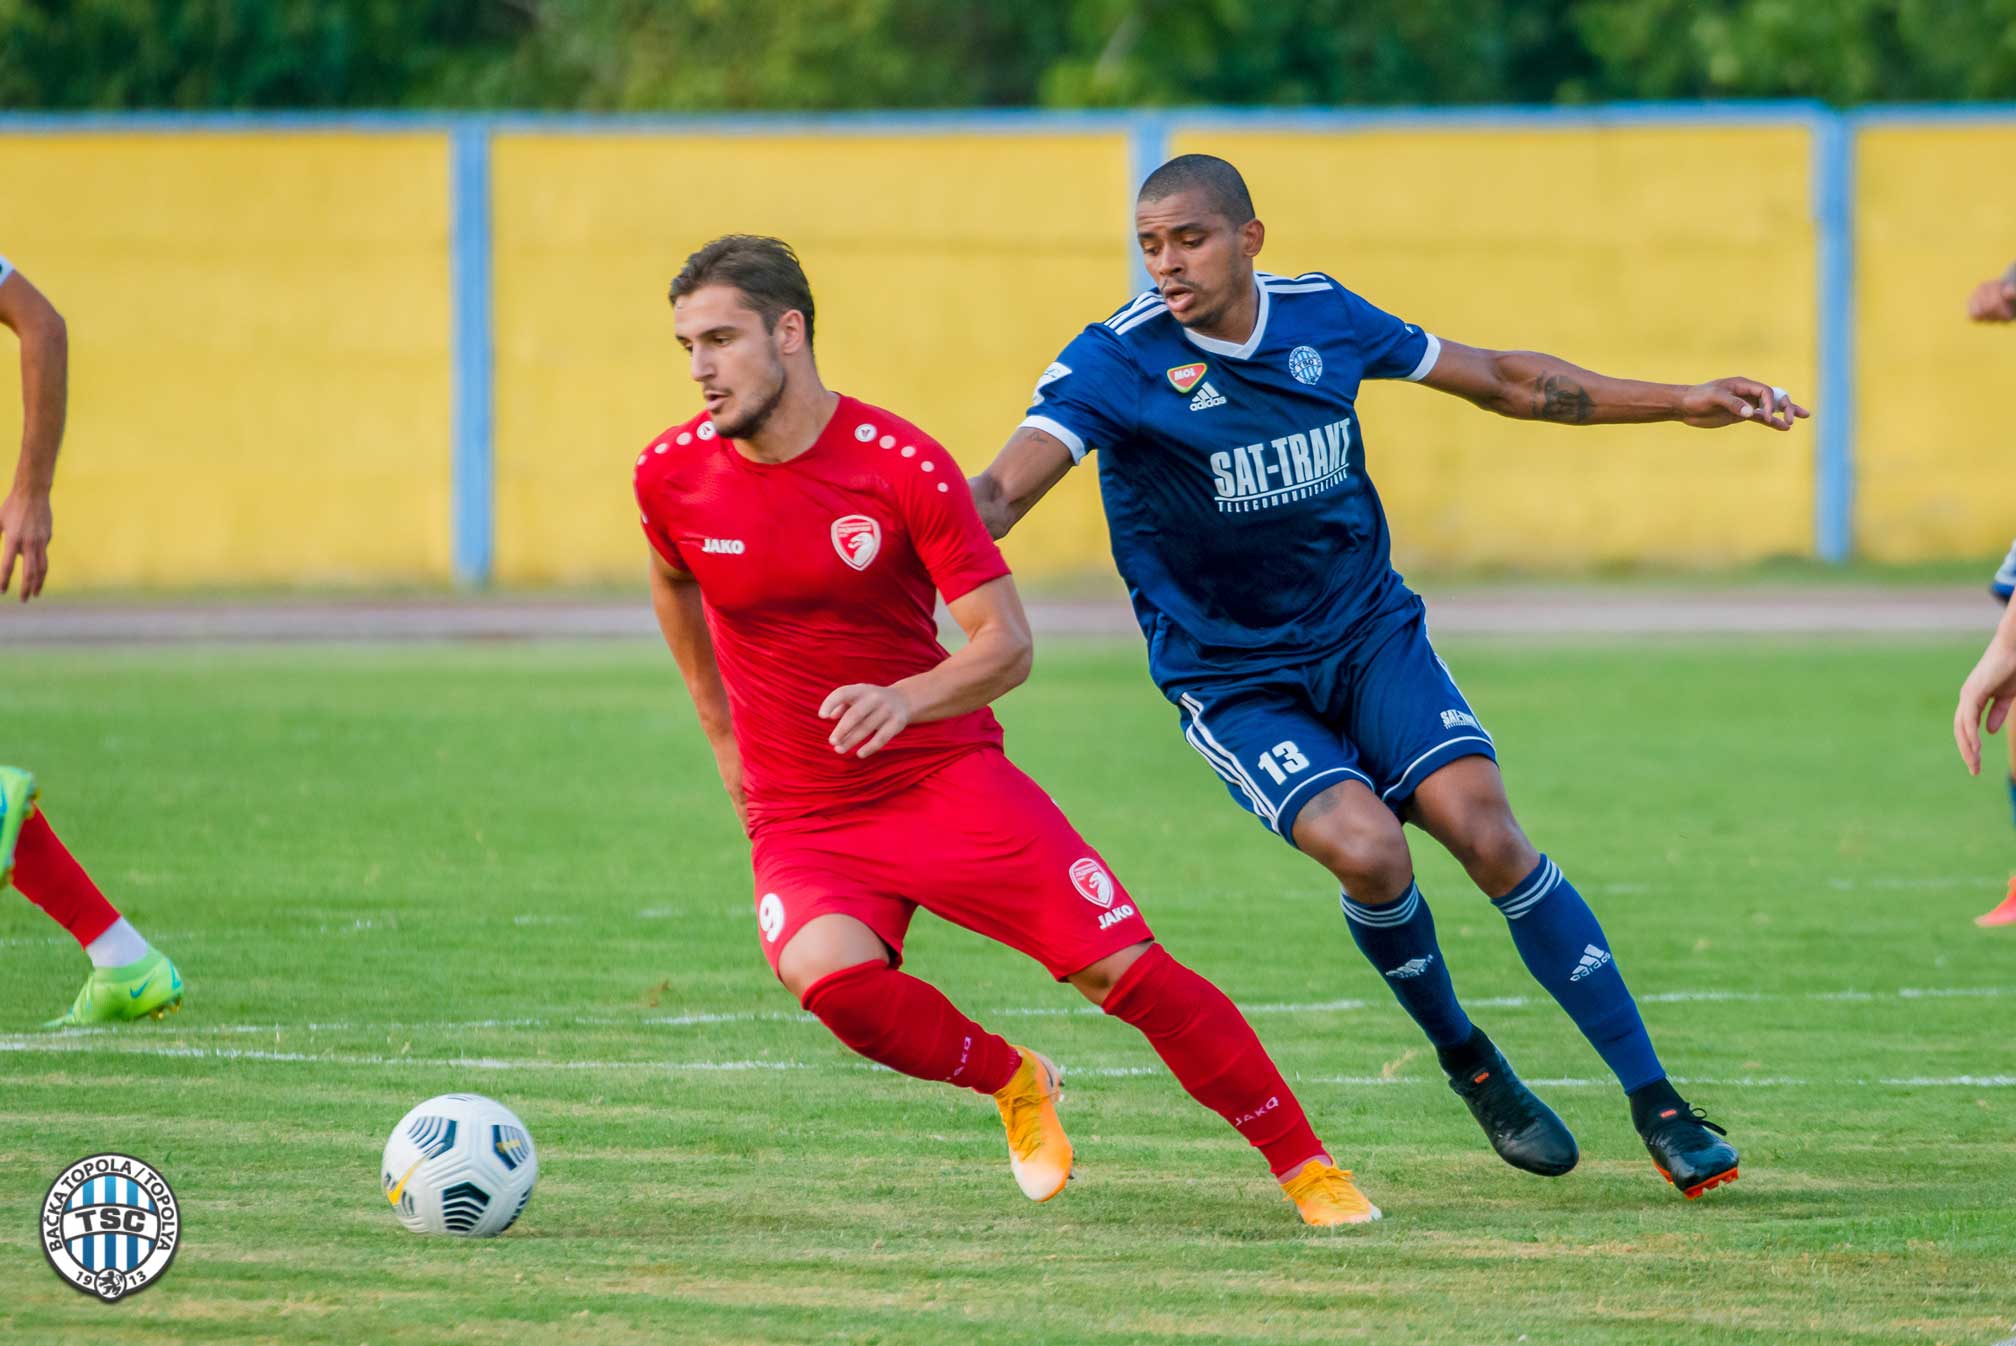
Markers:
<point>459,1164</point>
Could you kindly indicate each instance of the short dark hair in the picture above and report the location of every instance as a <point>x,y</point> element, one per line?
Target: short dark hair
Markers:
<point>765,270</point>
<point>1219,181</point>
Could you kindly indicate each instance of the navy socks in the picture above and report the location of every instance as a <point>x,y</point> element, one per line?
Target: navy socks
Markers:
<point>1565,950</point>
<point>1399,939</point>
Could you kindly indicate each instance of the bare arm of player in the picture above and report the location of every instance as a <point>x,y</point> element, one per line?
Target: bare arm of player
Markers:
<point>1991,687</point>
<point>1994,300</point>
<point>26,521</point>
<point>675,597</point>
<point>993,662</point>
<point>1529,386</point>
<point>1029,464</point>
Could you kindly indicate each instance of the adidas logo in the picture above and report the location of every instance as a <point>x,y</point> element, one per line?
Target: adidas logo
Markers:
<point>1413,967</point>
<point>1593,960</point>
<point>1207,398</point>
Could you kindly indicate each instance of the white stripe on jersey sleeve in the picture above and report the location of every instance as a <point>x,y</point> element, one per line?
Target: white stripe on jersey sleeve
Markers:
<point>1313,287</point>
<point>6,270</point>
<point>1064,434</point>
<point>1139,316</point>
<point>1428,358</point>
<point>1134,306</point>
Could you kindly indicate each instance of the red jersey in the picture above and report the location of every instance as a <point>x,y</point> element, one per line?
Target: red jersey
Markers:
<point>817,573</point>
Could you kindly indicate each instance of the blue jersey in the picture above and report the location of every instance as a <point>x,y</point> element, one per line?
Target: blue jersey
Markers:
<point>1234,475</point>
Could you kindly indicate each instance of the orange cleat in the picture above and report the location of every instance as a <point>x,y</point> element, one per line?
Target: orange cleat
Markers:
<point>2004,914</point>
<point>1039,1153</point>
<point>1324,1195</point>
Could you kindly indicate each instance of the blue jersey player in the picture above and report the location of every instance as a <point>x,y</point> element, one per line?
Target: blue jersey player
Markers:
<point>1222,405</point>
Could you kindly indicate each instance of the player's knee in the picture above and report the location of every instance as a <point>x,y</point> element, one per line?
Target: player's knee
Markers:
<point>1096,982</point>
<point>823,946</point>
<point>1491,846</point>
<point>1364,848</point>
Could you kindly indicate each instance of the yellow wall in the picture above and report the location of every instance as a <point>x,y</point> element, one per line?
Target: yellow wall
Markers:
<point>262,363</point>
<point>1935,438</point>
<point>948,271</point>
<point>260,352</point>
<point>1646,252</point>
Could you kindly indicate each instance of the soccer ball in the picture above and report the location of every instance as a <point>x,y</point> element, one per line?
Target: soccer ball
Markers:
<point>459,1164</point>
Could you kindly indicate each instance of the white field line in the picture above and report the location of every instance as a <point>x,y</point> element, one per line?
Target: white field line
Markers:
<point>384,920</point>
<point>43,1046</point>
<point>1287,1007</point>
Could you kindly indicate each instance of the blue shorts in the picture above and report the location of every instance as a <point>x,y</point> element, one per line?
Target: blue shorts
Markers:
<point>1383,709</point>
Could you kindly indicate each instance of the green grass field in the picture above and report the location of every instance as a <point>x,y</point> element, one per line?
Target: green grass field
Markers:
<point>394,872</point>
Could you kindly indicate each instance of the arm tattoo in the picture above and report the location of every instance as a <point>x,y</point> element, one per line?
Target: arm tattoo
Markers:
<point>1560,399</point>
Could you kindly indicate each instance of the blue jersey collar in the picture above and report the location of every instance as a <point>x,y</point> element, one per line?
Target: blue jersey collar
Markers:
<point>1234,350</point>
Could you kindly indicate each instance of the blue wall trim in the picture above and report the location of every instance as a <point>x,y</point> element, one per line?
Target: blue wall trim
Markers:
<point>1834,402</point>
<point>1003,121</point>
<point>473,473</point>
<point>1933,114</point>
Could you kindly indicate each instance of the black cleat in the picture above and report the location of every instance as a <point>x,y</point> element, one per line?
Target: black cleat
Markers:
<point>1525,1132</point>
<point>1685,1154</point>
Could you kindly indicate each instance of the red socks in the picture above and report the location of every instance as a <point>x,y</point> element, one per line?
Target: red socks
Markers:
<point>894,1019</point>
<point>1214,1053</point>
<point>51,878</point>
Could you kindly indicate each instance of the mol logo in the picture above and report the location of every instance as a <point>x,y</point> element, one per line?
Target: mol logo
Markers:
<point>1185,377</point>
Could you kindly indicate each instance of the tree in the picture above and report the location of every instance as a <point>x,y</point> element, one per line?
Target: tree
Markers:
<point>709,55</point>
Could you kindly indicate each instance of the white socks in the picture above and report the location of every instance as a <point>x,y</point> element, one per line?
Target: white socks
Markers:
<point>119,945</point>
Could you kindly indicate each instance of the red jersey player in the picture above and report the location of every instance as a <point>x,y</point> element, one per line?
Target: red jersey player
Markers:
<point>797,537</point>
<point>129,977</point>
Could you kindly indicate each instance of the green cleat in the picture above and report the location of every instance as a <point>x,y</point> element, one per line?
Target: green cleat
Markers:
<point>17,801</point>
<point>149,987</point>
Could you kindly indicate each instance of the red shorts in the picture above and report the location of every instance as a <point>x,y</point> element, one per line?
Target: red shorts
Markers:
<point>975,842</point>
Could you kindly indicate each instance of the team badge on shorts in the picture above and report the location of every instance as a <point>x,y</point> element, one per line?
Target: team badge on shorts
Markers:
<point>110,1225</point>
<point>1092,881</point>
<point>857,538</point>
<point>1185,377</point>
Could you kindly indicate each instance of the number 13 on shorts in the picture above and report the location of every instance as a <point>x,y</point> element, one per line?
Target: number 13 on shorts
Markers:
<point>1283,760</point>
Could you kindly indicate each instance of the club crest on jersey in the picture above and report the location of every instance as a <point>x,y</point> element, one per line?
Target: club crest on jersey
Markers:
<point>1185,377</point>
<point>1092,881</point>
<point>857,538</point>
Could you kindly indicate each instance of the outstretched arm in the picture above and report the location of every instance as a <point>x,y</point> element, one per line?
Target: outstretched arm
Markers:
<point>26,522</point>
<point>1530,386</point>
<point>1029,464</point>
<point>993,662</point>
<point>1994,300</point>
<point>675,597</point>
<point>1991,687</point>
